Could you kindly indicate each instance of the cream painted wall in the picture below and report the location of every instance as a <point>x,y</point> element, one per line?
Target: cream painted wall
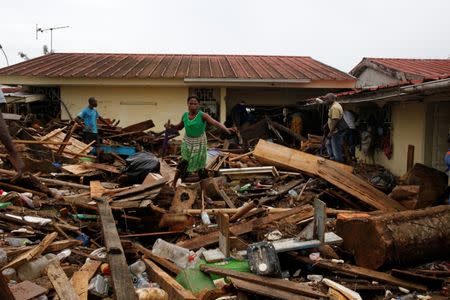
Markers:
<point>408,128</point>
<point>129,104</point>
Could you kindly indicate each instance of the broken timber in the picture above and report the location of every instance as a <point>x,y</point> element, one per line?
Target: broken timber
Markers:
<point>121,277</point>
<point>167,283</point>
<point>359,271</point>
<point>396,238</point>
<point>285,285</point>
<point>239,229</point>
<point>336,173</point>
<point>60,282</point>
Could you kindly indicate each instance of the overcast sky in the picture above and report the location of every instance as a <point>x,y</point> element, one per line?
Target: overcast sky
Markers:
<point>338,33</point>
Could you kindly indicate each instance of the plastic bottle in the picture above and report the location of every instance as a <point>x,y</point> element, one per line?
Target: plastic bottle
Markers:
<point>32,269</point>
<point>205,218</point>
<point>9,274</point>
<point>138,267</point>
<point>3,258</point>
<point>174,253</point>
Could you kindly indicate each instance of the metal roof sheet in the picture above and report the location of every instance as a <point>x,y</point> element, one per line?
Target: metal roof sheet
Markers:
<point>425,68</point>
<point>175,66</point>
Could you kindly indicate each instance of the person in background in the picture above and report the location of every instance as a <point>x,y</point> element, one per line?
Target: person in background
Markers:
<point>194,144</point>
<point>239,114</point>
<point>87,118</point>
<point>351,133</point>
<point>14,156</point>
<point>336,128</point>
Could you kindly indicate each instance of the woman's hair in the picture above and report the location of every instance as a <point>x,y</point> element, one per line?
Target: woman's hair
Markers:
<point>192,97</point>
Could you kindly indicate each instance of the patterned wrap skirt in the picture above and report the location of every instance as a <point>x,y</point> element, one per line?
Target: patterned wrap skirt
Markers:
<point>194,151</point>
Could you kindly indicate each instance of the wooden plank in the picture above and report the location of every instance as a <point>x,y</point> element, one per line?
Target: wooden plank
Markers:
<point>348,293</point>
<point>32,253</point>
<point>102,167</point>
<point>239,229</point>
<point>224,234</point>
<point>320,220</point>
<point>141,188</point>
<point>121,277</point>
<point>360,271</point>
<point>270,292</point>
<point>227,199</point>
<point>77,169</point>
<point>275,283</point>
<point>288,158</point>
<point>67,138</point>
<point>141,126</point>
<point>60,282</point>
<point>358,188</point>
<point>166,171</point>
<point>97,189</point>
<point>80,283</point>
<point>5,292</point>
<point>40,142</point>
<point>167,283</point>
<point>25,290</point>
<point>170,266</point>
<point>337,174</point>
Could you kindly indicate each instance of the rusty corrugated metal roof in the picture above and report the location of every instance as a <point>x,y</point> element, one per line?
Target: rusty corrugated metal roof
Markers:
<point>175,66</point>
<point>424,68</point>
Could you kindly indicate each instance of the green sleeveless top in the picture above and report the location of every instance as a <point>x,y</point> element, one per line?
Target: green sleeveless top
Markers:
<point>195,127</point>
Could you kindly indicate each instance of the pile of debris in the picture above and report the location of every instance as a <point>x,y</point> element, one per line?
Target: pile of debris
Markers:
<point>274,221</point>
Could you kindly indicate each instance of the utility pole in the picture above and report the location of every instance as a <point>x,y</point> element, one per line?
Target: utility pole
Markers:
<point>51,33</point>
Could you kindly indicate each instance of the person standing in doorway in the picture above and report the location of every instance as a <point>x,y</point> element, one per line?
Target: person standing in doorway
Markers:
<point>351,133</point>
<point>194,144</point>
<point>337,128</point>
<point>87,118</point>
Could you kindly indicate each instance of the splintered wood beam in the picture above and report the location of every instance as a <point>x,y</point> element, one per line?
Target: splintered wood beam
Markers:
<point>60,282</point>
<point>32,253</point>
<point>121,277</point>
<point>168,265</point>
<point>167,282</point>
<point>67,138</point>
<point>243,228</point>
<point>359,271</point>
<point>338,174</point>
<point>275,283</point>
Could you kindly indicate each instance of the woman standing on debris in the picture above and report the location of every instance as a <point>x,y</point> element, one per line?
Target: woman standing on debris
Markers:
<point>194,145</point>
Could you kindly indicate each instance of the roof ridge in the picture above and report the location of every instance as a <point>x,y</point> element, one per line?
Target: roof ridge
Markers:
<point>180,54</point>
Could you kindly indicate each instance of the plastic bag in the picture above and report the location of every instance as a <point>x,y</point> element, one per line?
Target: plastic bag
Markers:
<point>139,165</point>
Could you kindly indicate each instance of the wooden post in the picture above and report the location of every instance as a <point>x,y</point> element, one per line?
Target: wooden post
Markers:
<point>320,219</point>
<point>66,139</point>
<point>121,277</point>
<point>410,158</point>
<point>224,234</point>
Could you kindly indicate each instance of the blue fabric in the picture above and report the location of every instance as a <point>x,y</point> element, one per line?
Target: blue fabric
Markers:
<point>89,117</point>
<point>334,146</point>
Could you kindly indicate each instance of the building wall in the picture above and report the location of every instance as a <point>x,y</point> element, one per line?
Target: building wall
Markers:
<point>371,77</point>
<point>408,128</point>
<point>129,104</point>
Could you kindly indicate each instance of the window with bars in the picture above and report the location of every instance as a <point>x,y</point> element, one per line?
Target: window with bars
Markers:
<point>208,100</point>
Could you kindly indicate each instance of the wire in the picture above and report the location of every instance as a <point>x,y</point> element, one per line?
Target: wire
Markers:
<point>4,53</point>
